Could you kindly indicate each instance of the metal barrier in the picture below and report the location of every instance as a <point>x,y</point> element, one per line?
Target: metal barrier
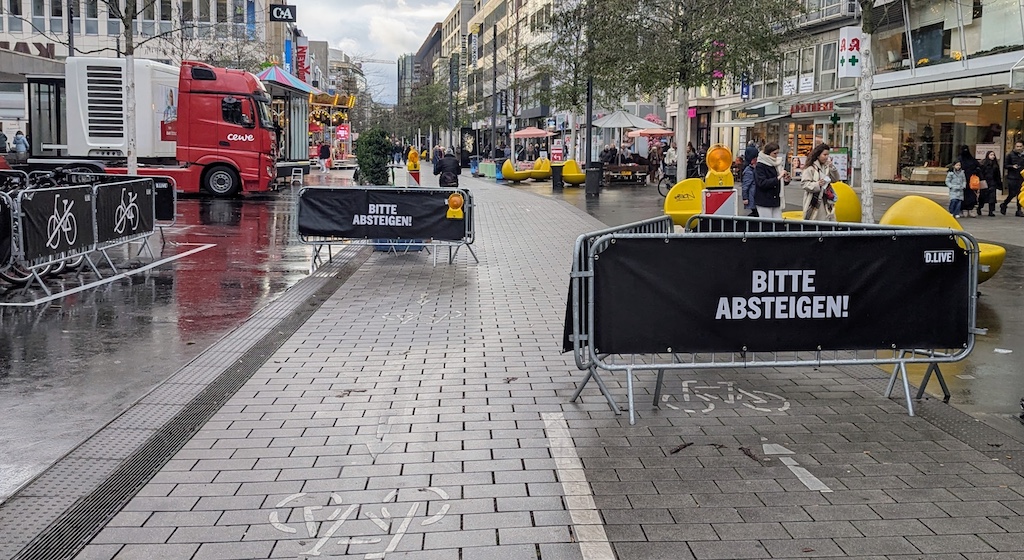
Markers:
<point>6,231</point>
<point>613,330</point>
<point>54,228</point>
<point>396,217</point>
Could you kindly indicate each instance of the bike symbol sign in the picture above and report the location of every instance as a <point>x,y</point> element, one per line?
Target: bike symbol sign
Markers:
<point>62,224</point>
<point>393,525</point>
<point>127,212</point>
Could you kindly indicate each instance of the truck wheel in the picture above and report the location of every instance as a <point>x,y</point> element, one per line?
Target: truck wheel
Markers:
<point>221,180</point>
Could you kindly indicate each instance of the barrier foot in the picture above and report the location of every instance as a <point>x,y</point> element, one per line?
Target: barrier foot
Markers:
<point>629,396</point>
<point>92,266</point>
<point>895,372</point>
<point>906,389</point>
<point>592,373</point>
<point>657,388</point>
<point>927,377</point>
<point>110,263</point>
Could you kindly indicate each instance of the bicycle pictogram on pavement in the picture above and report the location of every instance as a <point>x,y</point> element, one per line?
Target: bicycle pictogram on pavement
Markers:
<point>393,525</point>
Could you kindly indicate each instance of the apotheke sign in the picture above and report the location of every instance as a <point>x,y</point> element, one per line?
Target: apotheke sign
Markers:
<point>822,107</point>
<point>282,12</point>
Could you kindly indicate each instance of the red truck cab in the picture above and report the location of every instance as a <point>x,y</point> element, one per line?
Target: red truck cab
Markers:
<point>223,130</point>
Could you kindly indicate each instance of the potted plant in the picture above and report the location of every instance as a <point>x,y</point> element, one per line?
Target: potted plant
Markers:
<point>373,152</point>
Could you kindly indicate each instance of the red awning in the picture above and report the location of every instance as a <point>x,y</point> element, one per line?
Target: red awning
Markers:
<point>314,127</point>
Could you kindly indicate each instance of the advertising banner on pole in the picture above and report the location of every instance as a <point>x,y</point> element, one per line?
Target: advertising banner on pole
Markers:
<point>302,70</point>
<point>857,292</point>
<point>380,214</point>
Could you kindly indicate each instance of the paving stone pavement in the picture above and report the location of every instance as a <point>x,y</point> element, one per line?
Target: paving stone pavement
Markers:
<point>422,413</point>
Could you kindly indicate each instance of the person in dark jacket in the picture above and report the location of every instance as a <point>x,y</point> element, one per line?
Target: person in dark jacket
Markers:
<point>748,186</point>
<point>1013,164</point>
<point>992,175</point>
<point>769,179</point>
<point>448,169</point>
<point>970,166</point>
<point>324,154</point>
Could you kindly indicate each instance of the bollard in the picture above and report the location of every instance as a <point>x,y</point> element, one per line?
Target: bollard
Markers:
<point>556,176</point>
<point>498,169</point>
<point>593,184</point>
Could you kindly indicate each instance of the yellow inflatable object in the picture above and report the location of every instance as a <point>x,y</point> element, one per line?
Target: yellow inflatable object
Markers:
<point>509,173</point>
<point>922,212</point>
<point>847,205</point>
<point>572,174</point>
<point>541,170</point>
<point>684,200</point>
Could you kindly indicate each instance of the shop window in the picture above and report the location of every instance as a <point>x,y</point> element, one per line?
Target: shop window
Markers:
<point>996,28</point>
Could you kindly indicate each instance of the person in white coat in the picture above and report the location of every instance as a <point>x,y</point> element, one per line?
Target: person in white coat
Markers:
<point>819,200</point>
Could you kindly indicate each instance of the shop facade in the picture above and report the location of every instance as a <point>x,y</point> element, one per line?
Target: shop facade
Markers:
<point>944,83</point>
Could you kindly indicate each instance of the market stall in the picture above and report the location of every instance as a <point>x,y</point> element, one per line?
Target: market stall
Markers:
<point>290,109</point>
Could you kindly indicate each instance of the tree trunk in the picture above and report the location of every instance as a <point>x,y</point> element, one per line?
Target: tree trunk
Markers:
<point>130,131</point>
<point>682,130</point>
<point>570,150</point>
<point>865,129</point>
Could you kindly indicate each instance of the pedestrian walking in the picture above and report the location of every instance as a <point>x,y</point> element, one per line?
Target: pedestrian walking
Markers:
<point>671,158</point>
<point>749,185</point>
<point>324,156</point>
<point>972,174</point>
<point>691,160</point>
<point>654,164</point>
<point>20,144</point>
<point>770,177</point>
<point>816,179</point>
<point>956,182</point>
<point>3,141</point>
<point>1014,165</point>
<point>991,173</point>
<point>448,170</point>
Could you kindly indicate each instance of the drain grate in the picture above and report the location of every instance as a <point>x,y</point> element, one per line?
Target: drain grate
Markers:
<point>68,534</point>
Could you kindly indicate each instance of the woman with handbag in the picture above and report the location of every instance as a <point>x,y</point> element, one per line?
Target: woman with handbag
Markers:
<point>816,180</point>
<point>992,183</point>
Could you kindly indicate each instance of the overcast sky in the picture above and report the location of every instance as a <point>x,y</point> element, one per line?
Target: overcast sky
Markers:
<point>383,29</point>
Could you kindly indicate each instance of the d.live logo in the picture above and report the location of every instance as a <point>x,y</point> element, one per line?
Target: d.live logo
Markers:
<point>939,257</point>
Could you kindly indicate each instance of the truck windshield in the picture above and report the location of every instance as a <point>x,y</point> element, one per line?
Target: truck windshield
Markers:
<point>263,109</point>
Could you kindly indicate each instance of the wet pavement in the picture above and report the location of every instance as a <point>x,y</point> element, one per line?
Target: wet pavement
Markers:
<point>423,412</point>
<point>69,367</point>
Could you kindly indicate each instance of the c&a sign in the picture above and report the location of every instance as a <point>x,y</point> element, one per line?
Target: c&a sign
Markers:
<point>282,12</point>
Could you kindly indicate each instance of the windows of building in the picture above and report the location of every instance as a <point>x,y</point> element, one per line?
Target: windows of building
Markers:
<point>827,67</point>
<point>39,16</point>
<point>114,11</point>
<point>14,15</point>
<point>92,15</point>
<point>56,16</point>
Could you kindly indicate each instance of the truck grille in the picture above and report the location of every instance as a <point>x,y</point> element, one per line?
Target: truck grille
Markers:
<point>105,101</point>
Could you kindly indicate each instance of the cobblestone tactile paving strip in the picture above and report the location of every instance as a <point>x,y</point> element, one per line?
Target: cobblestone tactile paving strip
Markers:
<point>82,485</point>
<point>404,420</point>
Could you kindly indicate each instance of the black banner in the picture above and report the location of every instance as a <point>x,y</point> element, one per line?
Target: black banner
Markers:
<point>763,294</point>
<point>124,209</point>
<point>379,214</point>
<point>166,199</point>
<point>56,221</point>
<point>6,231</point>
